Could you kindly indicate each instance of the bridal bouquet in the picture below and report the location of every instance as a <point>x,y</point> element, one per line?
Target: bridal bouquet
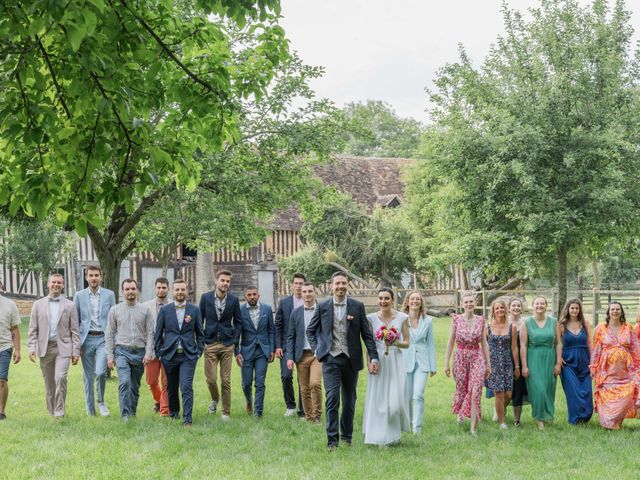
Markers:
<point>388,335</point>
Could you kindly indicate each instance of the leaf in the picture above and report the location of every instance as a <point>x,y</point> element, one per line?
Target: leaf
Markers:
<point>75,36</point>
<point>80,226</point>
<point>99,4</point>
<point>160,156</point>
<point>66,133</point>
<point>90,21</point>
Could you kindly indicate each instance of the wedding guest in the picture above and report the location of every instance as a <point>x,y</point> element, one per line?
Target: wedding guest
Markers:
<point>9,345</point>
<point>471,364</point>
<point>574,345</point>
<point>615,366</point>
<point>386,408</point>
<point>519,392</point>
<point>540,361</point>
<point>419,356</point>
<point>503,351</point>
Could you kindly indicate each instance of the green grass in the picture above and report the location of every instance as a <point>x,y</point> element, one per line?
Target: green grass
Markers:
<point>34,446</point>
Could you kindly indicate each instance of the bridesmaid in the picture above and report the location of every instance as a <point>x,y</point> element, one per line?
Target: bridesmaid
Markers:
<point>519,394</point>
<point>503,351</point>
<point>574,346</point>
<point>540,361</point>
<point>471,364</point>
<point>615,365</point>
<point>420,357</point>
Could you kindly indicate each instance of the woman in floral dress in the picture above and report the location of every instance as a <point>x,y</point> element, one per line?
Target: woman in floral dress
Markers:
<point>471,365</point>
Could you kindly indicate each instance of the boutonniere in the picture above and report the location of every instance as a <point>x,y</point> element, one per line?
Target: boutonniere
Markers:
<point>187,318</point>
<point>349,317</point>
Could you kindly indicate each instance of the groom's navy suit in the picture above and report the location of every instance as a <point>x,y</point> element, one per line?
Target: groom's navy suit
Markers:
<point>340,372</point>
<point>179,350</point>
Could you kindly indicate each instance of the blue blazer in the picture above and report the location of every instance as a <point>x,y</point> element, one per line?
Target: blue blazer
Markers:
<point>226,329</point>
<point>283,314</point>
<point>320,332</point>
<point>296,335</point>
<point>421,354</point>
<point>252,338</point>
<point>168,332</point>
<point>83,306</point>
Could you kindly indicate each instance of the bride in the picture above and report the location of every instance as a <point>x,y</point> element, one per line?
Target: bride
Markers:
<point>386,410</point>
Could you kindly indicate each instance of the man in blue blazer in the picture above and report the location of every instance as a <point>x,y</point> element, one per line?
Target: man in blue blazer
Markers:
<point>222,325</point>
<point>334,335</point>
<point>179,342</point>
<point>93,305</point>
<point>257,346</point>
<point>283,316</point>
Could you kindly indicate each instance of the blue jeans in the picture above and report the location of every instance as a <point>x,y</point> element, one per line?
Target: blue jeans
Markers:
<point>5,361</point>
<point>417,382</point>
<point>130,370</point>
<point>257,364</point>
<point>94,366</point>
<point>180,370</point>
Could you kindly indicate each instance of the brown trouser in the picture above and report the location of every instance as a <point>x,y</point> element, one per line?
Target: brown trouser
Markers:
<point>310,379</point>
<point>54,371</point>
<point>214,353</point>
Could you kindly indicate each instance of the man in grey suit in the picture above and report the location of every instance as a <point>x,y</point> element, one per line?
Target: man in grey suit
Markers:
<point>93,305</point>
<point>153,370</point>
<point>283,314</point>
<point>334,335</point>
<point>54,336</point>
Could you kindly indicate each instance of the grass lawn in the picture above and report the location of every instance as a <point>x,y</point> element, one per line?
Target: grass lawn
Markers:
<point>32,445</point>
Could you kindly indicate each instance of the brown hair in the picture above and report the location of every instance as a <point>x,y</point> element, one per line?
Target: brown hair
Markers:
<point>565,317</point>
<point>92,267</point>
<point>223,271</point>
<point>129,280</point>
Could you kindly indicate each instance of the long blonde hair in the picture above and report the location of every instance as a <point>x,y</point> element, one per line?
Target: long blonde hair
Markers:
<point>506,310</point>
<point>405,303</point>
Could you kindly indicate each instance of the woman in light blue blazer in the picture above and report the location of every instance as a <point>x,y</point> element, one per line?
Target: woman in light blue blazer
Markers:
<point>420,357</point>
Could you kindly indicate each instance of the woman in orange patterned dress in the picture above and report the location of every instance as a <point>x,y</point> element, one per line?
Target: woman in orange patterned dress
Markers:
<point>615,366</point>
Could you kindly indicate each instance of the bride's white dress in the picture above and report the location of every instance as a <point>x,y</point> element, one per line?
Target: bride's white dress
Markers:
<point>386,409</point>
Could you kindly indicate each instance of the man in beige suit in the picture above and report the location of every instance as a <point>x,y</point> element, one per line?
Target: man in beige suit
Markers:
<point>153,369</point>
<point>54,336</point>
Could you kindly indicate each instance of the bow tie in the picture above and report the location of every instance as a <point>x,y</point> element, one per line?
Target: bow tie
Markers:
<point>339,304</point>
<point>180,307</point>
<point>56,300</point>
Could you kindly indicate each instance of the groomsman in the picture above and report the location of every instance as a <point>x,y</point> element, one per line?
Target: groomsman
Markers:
<point>129,346</point>
<point>54,336</point>
<point>256,348</point>
<point>334,335</point>
<point>9,345</point>
<point>222,319</point>
<point>154,372</point>
<point>283,314</point>
<point>179,341</point>
<point>299,352</point>
<point>93,305</point>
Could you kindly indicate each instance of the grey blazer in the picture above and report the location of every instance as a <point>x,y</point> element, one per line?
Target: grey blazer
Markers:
<point>68,333</point>
<point>83,305</point>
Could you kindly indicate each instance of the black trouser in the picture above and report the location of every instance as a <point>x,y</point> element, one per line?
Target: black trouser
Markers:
<point>286,376</point>
<point>340,380</point>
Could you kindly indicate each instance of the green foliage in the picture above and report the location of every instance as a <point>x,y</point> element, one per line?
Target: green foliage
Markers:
<point>34,246</point>
<point>535,153</point>
<point>377,131</point>
<point>311,260</point>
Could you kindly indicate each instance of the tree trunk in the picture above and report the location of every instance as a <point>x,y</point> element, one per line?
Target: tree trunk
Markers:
<point>562,279</point>
<point>596,288</point>
<point>110,258</point>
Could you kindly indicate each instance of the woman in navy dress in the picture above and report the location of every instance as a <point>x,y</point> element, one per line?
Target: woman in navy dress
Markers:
<point>573,341</point>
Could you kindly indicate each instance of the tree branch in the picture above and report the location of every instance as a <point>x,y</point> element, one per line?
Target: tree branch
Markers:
<point>53,77</point>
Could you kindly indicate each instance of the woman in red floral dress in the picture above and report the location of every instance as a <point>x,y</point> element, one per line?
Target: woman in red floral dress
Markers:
<point>471,365</point>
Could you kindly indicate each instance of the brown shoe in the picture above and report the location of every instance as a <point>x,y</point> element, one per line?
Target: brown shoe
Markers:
<point>156,408</point>
<point>249,408</point>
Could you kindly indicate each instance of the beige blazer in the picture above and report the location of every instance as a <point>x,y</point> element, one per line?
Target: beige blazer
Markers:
<point>67,328</point>
<point>154,310</point>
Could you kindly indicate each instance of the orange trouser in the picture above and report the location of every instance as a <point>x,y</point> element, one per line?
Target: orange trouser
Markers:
<point>152,371</point>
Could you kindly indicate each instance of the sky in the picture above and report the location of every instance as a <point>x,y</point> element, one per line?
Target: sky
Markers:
<point>391,50</point>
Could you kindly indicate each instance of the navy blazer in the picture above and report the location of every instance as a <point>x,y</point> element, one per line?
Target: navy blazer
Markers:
<point>252,338</point>
<point>283,314</point>
<point>320,332</point>
<point>296,335</point>
<point>168,332</point>
<point>226,329</point>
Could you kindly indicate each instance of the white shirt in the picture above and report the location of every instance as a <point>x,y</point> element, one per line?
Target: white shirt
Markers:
<point>54,310</point>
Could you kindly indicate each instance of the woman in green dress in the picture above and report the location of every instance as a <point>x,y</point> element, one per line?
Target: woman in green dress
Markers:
<point>540,362</point>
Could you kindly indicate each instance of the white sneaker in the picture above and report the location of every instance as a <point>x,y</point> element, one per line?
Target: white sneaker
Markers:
<point>225,418</point>
<point>102,408</point>
<point>495,417</point>
<point>213,407</point>
<point>291,412</point>
<point>503,426</point>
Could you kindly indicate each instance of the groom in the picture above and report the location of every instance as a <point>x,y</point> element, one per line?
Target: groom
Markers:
<point>334,335</point>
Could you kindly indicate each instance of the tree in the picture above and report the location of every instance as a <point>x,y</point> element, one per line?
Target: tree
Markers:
<point>537,149</point>
<point>107,106</point>
<point>34,246</point>
<point>377,131</point>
